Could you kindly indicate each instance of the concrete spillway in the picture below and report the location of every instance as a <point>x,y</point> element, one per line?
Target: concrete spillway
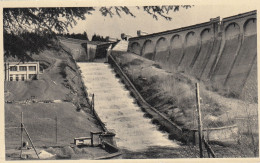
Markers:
<point>117,110</point>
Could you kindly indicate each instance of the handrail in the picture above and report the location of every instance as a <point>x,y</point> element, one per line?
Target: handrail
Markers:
<point>176,131</point>
<point>96,115</point>
<point>140,96</point>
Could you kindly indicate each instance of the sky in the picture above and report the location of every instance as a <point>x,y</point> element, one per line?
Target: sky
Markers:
<point>113,27</point>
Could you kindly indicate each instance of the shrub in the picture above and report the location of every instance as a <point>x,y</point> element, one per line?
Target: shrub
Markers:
<point>232,94</point>
<point>135,62</point>
<point>62,67</point>
<point>157,66</point>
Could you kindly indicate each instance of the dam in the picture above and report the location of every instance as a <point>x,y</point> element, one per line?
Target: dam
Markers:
<point>222,52</point>
<point>118,110</point>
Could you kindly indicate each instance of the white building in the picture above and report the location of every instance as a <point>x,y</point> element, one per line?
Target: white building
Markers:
<point>18,71</point>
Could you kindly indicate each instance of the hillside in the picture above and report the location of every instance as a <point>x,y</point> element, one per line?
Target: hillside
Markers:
<point>173,94</point>
<point>58,93</point>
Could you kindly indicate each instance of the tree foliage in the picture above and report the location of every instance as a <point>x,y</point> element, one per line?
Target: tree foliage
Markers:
<point>19,22</point>
<point>82,36</point>
<point>26,43</point>
<point>100,38</point>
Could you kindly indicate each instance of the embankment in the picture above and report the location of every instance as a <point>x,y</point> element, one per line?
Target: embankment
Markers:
<point>173,96</point>
<point>175,132</point>
<point>60,81</point>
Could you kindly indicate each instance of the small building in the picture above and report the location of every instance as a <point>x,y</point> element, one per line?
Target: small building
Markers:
<point>18,71</point>
<point>84,50</point>
<point>97,49</point>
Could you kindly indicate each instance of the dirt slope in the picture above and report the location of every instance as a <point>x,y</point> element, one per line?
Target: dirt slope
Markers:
<point>58,82</point>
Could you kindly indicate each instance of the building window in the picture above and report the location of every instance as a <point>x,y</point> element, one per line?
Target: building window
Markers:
<point>22,68</point>
<point>11,78</point>
<point>22,78</point>
<point>17,78</point>
<point>32,76</point>
<point>32,68</point>
<point>13,68</point>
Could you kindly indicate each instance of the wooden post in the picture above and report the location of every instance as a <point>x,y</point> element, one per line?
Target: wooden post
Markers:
<point>56,129</point>
<point>31,141</point>
<point>92,137</point>
<point>93,103</point>
<point>21,134</point>
<point>199,119</point>
<point>209,149</point>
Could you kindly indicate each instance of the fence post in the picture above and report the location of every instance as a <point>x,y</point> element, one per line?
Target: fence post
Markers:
<point>31,142</point>
<point>92,137</point>
<point>21,135</point>
<point>93,103</point>
<point>199,119</point>
<point>56,129</point>
<point>209,149</point>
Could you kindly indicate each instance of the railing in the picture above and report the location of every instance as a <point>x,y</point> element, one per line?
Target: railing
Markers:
<point>175,132</point>
<point>92,106</point>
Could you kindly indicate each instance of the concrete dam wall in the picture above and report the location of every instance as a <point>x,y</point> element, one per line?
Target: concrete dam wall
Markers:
<point>222,51</point>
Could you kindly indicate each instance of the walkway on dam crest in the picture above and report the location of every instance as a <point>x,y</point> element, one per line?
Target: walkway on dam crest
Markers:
<point>117,110</point>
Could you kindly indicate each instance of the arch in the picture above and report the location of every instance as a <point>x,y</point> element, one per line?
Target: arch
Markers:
<point>249,27</point>
<point>246,56</point>
<point>148,49</point>
<point>176,41</point>
<point>190,38</point>
<point>136,48</point>
<point>161,50</point>
<point>205,34</point>
<point>232,30</point>
<point>229,53</point>
<point>205,50</point>
<point>161,44</point>
<point>190,51</point>
<point>176,50</point>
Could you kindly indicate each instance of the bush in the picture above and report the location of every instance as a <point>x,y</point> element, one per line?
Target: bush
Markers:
<point>231,94</point>
<point>62,67</point>
<point>157,66</point>
<point>68,151</point>
<point>135,62</point>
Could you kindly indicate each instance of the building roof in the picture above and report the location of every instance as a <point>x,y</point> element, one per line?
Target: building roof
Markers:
<point>20,63</point>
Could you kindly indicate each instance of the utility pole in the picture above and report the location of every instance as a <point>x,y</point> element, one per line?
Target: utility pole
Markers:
<point>199,119</point>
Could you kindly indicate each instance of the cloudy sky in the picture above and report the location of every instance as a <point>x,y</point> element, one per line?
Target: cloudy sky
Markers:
<point>113,27</point>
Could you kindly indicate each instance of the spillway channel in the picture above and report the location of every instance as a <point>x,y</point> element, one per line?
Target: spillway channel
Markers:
<point>117,109</point>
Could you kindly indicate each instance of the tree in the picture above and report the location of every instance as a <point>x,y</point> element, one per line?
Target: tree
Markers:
<point>85,36</point>
<point>94,37</point>
<point>41,21</point>
<point>107,39</point>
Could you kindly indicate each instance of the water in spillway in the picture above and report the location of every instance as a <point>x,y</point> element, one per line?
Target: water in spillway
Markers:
<point>117,109</point>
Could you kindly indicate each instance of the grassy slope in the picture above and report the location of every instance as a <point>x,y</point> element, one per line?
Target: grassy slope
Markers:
<point>40,118</point>
<point>173,94</point>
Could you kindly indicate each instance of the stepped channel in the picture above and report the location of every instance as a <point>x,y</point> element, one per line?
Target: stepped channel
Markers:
<point>117,109</point>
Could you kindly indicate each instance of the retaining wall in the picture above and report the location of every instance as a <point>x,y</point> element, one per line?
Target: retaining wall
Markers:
<point>221,51</point>
<point>76,49</point>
